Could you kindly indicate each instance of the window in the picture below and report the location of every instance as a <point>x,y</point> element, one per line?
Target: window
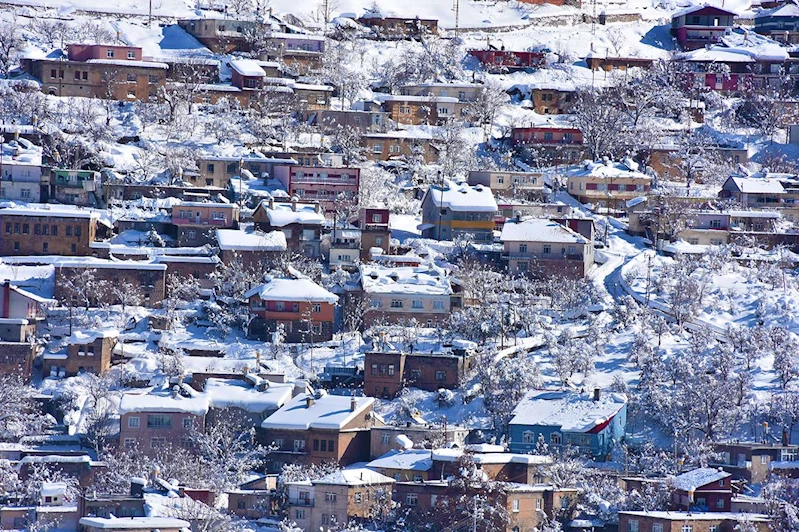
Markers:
<point>385,438</point>
<point>657,527</point>
<point>16,246</point>
<point>377,218</point>
<point>330,497</point>
<point>632,525</point>
<point>37,229</point>
<point>438,305</point>
<point>417,304</point>
<point>441,375</point>
<point>555,438</point>
<point>539,505</point>
<point>316,308</point>
<point>45,247</point>
<point>411,499</point>
<point>687,528</point>
<point>241,504</point>
<point>416,374</point>
<point>16,229</point>
<point>396,303</point>
<point>25,229</point>
<point>377,148</point>
<point>391,369</point>
<point>133,422</point>
<point>299,445</point>
<point>515,505</point>
<point>299,514</point>
<point>131,54</point>
<point>528,437</point>
<point>720,503</point>
<point>721,482</point>
<point>129,443</point>
<point>156,443</point>
<point>358,497</point>
<point>109,53</point>
<point>77,230</point>
<point>54,230</point>
<point>713,528</point>
<point>522,248</point>
<point>131,78</point>
<point>547,248</point>
<point>69,230</point>
<point>159,421</point>
<point>152,79</point>
<point>52,73</point>
<point>279,306</point>
<point>210,168</point>
<point>188,422</point>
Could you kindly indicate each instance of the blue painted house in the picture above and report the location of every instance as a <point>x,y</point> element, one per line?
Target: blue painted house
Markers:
<point>590,422</point>
<point>780,23</point>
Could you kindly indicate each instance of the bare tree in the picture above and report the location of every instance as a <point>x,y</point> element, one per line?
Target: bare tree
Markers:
<point>603,123</point>
<point>10,42</point>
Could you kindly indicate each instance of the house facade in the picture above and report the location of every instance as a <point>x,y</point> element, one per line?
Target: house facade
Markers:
<point>197,222</point>
<point>455,209</point>
<point>592,423</point>
<point>388,373</point>
<point>335,499</point>
<point>99,71</point>
<point>404,293</point>
<point>704,489</point>
<point>689,521</point>
<point>319,427</point>
<point>700,25</point>
<point>549,144</point>
<point>155,421</point>
<point>529,185</point>
<point>43,229</point>
<point>331,187</point>
<point>88,352</point>
<point>607,185</point>
<point>303,309</point>
<point>543,248</point>
<point>301,223</point>
<point>500,60</point>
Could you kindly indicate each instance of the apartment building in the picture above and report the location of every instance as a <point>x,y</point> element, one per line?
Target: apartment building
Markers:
<point>44,229</point>
<point>454,209</point>
<point>333,188</point>
<point>401,294</point>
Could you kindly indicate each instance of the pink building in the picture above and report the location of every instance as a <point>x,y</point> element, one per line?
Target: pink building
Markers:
<point>86,52</point>
<point>326,185</point>
<point>161,419</point>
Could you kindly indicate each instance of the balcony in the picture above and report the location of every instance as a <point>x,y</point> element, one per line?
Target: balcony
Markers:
<point>349,180</point>
<point>300,502</point>
<point>200,221</point>
<point>543,256</point>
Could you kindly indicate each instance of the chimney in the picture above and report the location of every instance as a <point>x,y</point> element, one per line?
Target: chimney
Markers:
<point>258,360</point>
<point>137,487</point>
<point>309,401</point>
<point>175,391</point>
<point>786,436</point>
<point>294,203</point>
<point>353,404</point>
<point>597,394</point>
<point>318,208</point>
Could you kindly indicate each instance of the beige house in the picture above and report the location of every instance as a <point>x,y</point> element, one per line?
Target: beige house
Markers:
<point>400,294</point>
<point>543,248</point>
<point>333,500</point>
<point>464,92</point>
<point>607,185</point>
<point>509,183</point>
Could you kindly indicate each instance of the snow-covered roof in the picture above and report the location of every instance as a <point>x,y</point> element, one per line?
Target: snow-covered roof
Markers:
<point>48,209</point>
<point>290,289</point>
<point>283,214</point>
<point>608,169</point>
<point>360,476</point>
<point>463,198</point>
<point>539,230</point>
<point>407,460</point>
<point>134,523</point>
<point>227,393</point>
<point>788,9</point>
<point>698,7</point>
<point>250,239</point>
<point>739,46</point>
<point>96,263</point>
<point>53,488</point>
<point>377,279</point>
<point>572,412</point>
<point>718,54</point>
<point>697,478</point>
<point>248,67</point>
<point>326,412</point>
<point>163,402</point>
<point>754,185</point>
<point>81,337</point>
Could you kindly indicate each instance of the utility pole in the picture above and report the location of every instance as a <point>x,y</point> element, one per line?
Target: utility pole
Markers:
<point>456,9</point>
<point>150,15</point>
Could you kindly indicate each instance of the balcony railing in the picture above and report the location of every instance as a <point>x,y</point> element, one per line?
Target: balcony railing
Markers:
<point>349,180</point>
<point>199,221</point>
<point>300,502</point>
<point>543,256</point>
